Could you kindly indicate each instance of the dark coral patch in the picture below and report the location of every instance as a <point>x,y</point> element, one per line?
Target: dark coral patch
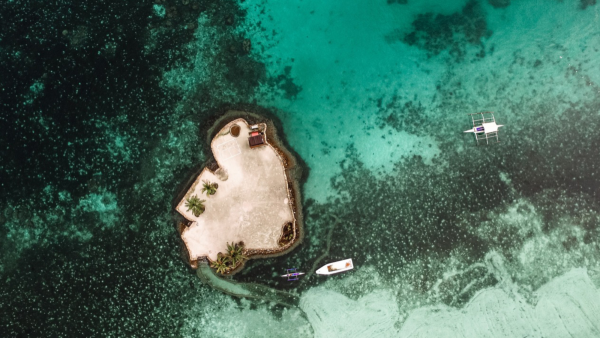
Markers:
<point>402,116</point>
<point>499,3</point>
<point>285,83</point>
<point>454,32</point>
<point>586,3</point>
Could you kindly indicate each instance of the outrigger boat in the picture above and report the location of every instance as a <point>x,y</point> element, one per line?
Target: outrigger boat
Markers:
<point>292,274</point>
<point>336,267</point>
<point>484,127</point>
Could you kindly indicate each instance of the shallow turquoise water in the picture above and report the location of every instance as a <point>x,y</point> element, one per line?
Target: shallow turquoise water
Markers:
<point>352,68</point>
<point>106,113</point>
<point>434,223</point>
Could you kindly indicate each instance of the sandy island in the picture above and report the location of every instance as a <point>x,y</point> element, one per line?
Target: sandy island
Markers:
<point>253,202</point>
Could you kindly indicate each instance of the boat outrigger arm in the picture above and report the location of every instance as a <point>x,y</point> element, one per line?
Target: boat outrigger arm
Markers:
<point>292,274</point>
<point>484,126</point>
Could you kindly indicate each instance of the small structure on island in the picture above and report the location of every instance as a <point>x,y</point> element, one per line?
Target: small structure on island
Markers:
<point>257,137</point>
<point>250,199</point>
<point>484,127</point>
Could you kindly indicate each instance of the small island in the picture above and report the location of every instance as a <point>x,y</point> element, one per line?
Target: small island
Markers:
<point>248,206</point>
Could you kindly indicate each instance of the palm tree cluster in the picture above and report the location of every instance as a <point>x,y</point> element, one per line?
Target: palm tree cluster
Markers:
<point>220,264</point>
<point>229,261</point>
<point>196,205</point>
<point>209,188</point>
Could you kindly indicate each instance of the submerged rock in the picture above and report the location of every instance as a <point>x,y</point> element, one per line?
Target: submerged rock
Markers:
<point>247,45</point>
<point>499,3</point>
<point>585,3</point>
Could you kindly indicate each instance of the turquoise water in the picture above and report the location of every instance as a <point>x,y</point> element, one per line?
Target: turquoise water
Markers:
<point>105,109</point>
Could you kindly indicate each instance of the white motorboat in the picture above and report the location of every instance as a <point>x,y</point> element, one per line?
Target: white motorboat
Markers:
<point>336,267</point>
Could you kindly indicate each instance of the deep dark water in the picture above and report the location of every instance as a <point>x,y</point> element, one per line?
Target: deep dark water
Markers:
<point>99,65</point>
<point>107,286</point>
<point>84,114</point>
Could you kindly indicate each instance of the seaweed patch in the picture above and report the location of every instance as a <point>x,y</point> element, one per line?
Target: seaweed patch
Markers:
<point>454,32</point>
<point>403,115</point>
<point>499,3</point>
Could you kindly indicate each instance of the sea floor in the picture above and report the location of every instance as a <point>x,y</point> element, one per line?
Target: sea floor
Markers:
<point>448,238</point>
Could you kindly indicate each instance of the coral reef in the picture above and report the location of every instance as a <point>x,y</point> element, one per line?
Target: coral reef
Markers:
<point>586,3</point>
<point>499,3</point>
<point>437,32</point>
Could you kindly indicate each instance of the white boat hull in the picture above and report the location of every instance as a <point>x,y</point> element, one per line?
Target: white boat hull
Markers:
<point>336,267</point>
<point>293,274</point>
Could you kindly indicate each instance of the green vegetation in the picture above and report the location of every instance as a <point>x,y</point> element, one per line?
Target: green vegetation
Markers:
<point>220,264</point>
<point>210,188</point>
<point>231,260</point>
<point>235,253</point>
<point>196,205</point>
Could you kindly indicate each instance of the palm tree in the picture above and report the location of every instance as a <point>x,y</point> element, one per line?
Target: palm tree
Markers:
<point>196,205</point>
<point>235,253</point>
<point>220,264</point>
<point>210,188</point>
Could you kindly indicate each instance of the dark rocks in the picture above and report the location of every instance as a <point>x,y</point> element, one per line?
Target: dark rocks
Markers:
<point>172,12</point>
<point>78,37</point>
<point>22,214</point>
<point>246,45</point>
